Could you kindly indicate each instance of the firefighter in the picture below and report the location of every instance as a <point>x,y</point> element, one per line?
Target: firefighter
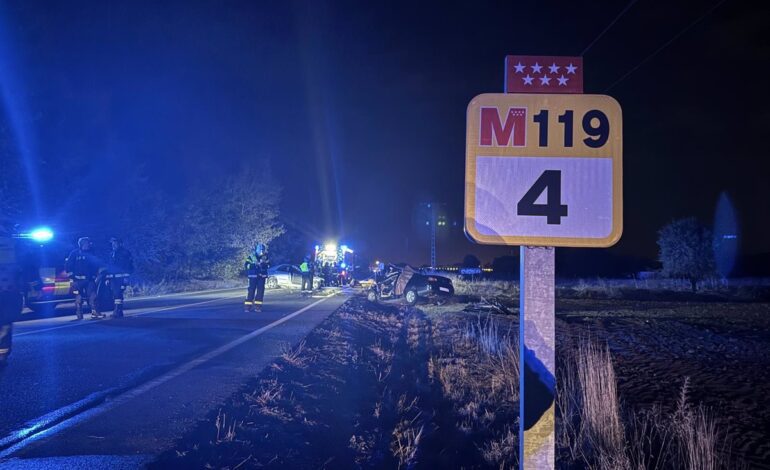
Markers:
<point>256,265</point>
<point>83,267</point>
<point>11,299</point>
<point>121,266</point>
<point>306,268</point>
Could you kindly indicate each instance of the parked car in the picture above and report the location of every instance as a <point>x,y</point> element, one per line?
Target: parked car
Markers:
<point>408,284</point>
<point>288,276</point>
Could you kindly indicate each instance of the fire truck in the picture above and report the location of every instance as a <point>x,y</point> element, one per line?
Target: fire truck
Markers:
<point>334,262</point>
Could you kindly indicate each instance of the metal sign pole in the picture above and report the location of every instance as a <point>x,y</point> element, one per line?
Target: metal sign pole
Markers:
<point>537,361</point>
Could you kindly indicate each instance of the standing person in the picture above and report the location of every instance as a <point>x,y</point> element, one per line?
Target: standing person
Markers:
<point>83,267</point>
<point>10,292</point>
<point>306,268</point>
<point>121,266</point>
<point>326,272</point>
<point>256,266</point>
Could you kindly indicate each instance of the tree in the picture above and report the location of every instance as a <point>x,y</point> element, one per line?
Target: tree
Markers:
<point>291,247</point>
<point>471,261</point>
<point>204,232</point>
<point>222,220</point>
<point>686,251</point>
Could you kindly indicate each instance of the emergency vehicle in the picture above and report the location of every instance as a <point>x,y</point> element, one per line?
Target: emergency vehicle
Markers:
<point>46,284</point>
<point>334,263</point>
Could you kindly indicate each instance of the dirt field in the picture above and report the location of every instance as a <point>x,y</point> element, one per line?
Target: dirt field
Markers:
<point>724,349</point>
<point>436,387</point>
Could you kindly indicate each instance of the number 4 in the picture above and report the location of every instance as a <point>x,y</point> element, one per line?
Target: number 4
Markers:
<point>553,209</point>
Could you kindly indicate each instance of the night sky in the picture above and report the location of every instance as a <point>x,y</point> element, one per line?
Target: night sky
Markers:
<point>360,106</point>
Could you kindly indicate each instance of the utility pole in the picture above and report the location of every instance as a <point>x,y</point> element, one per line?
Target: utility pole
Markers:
<point>432,235</point>
<point>434,216</point>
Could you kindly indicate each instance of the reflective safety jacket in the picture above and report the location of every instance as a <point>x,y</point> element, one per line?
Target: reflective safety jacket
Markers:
<point>256,266</point>
<point>121,263</point>
<point>82,264</point>
<point>304,267</point>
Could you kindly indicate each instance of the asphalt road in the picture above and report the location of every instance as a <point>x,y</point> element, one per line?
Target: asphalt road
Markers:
<point>114,393</point>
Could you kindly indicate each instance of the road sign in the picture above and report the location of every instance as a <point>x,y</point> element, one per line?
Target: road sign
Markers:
<point>544,170</point>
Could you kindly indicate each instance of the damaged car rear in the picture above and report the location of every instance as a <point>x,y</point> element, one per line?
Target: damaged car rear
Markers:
<point>410,285</point>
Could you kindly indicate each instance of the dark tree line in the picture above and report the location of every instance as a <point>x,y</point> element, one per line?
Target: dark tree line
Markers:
<point>206,233</point>
<point>202,230</point>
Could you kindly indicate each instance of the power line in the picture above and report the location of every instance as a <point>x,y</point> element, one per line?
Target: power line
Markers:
<point>630,4</point>
<point>665,45</point>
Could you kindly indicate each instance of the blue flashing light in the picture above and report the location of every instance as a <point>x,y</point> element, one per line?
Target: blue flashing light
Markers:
<point>343,265</point>
<point>41,234</point>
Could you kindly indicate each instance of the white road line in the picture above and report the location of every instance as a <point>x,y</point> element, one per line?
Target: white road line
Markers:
<point>140,298</point>
<point>147,386</point>
<point>88,322</point>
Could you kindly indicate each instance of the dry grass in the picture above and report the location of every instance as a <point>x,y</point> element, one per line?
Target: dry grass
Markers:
<point>295,356</point>
<point>591,431</point>
<point>225,431</point>
<point>405,442</point>
<point>696,434</point>
<point>478,370</point>
<point>600,411</point>
<point>498,451</point>
<point>487,288</point>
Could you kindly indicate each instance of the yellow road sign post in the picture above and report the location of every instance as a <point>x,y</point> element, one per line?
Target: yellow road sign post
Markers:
<point>543,169</point>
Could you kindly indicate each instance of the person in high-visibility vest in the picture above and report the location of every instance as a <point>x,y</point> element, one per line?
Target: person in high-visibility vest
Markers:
<point>256,266</point>
<point>306,268</point>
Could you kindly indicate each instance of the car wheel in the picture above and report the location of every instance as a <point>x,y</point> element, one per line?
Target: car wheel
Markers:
<point>272,283</point>
<point>411,296</point>
<point>371,296</point>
